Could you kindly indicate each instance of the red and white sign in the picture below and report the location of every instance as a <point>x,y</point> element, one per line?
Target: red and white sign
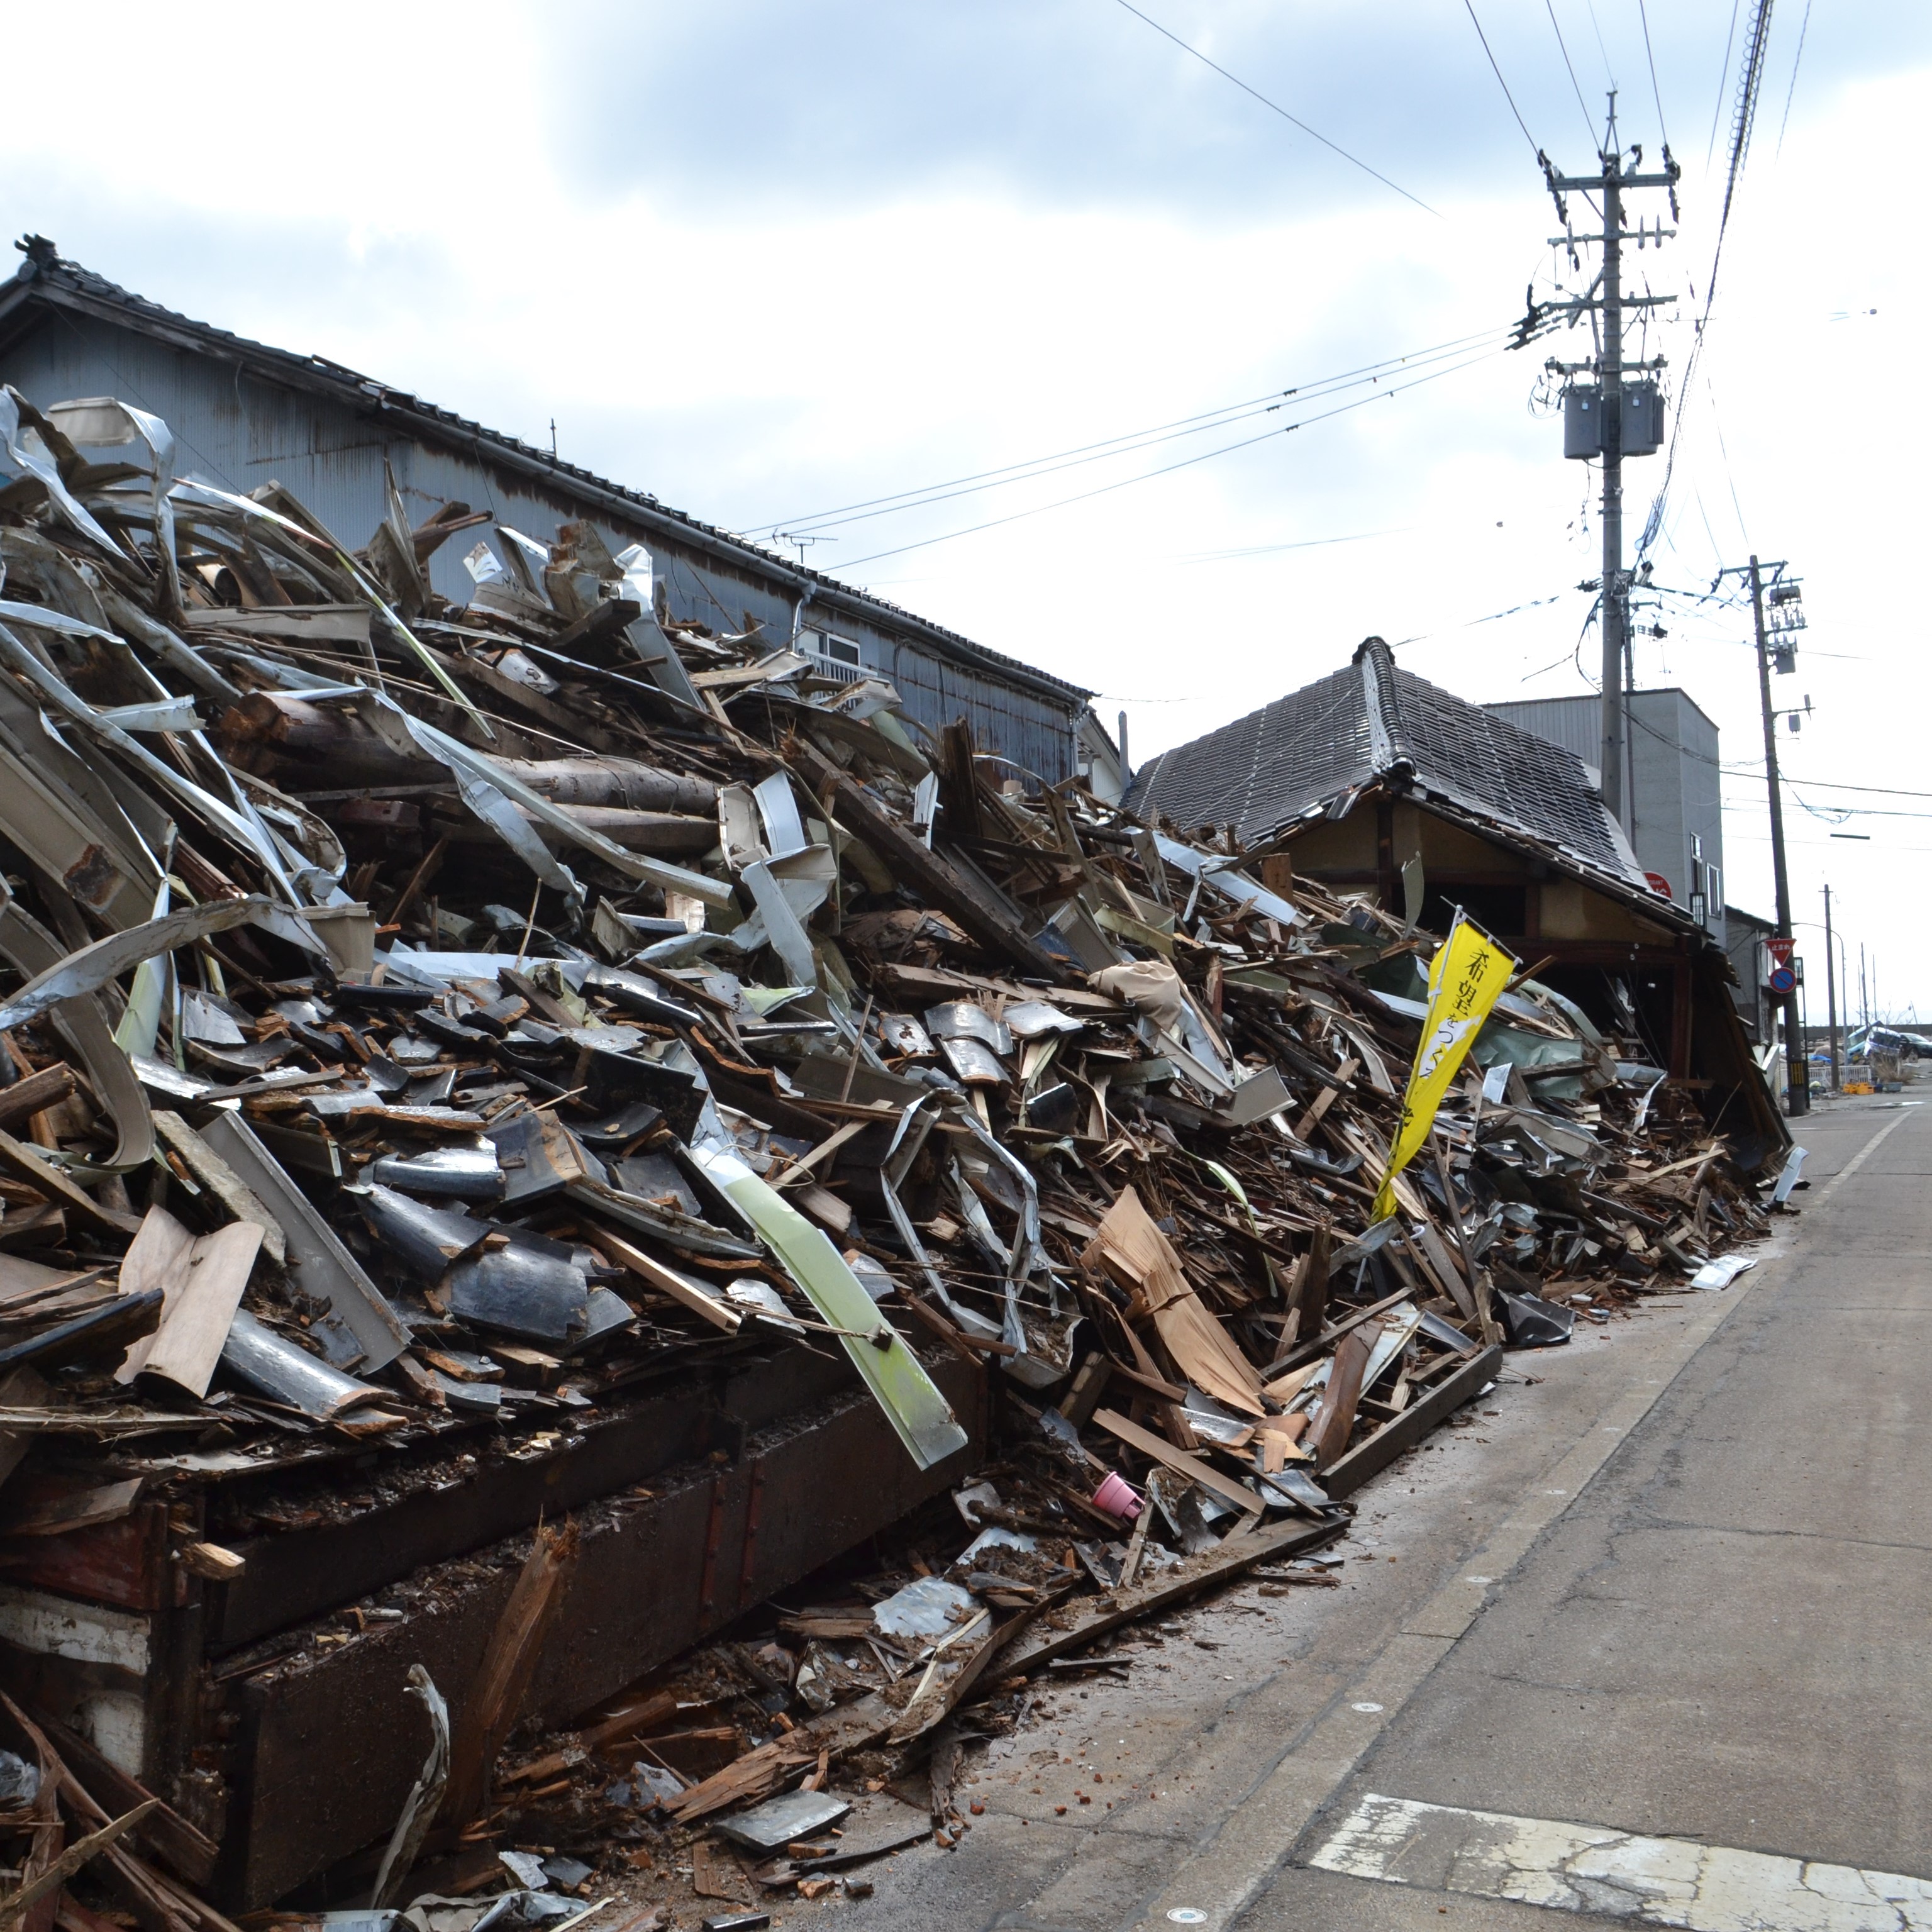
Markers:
<point>1658,883</point>
<point>1779,950</point>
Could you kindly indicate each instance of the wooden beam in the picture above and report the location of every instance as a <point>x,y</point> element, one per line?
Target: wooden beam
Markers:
<point>38,1091</point>
<point>1369,1457</point>
<point>1236,1554</point>
<point>1192,1468</point>
<point>929,871</point>
<point>666,1280</point>
<point>24,1164</point>
<point>1319,1344</point>
<point>1680,1021</point>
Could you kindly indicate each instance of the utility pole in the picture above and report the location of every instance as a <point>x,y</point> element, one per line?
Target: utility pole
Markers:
<point>1609,418</point>
<point>1797,1067</point>
<point>1777,637</point>
<point>1615,624</point>
<point>1831,995</point>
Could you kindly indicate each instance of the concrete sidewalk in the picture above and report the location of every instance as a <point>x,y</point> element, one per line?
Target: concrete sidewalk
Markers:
<point>1669,1585</point>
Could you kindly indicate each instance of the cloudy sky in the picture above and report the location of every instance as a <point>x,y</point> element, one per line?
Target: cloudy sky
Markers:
<point>771,261</point>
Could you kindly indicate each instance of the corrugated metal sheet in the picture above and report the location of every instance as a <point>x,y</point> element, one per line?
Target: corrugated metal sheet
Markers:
<point>240,430</point>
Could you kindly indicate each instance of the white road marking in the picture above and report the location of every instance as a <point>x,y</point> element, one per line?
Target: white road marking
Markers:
<point>1617,1874</point>
<point>1858,1160</point>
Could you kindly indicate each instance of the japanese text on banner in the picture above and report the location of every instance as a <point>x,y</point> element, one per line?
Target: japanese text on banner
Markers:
<point>1466,976</point>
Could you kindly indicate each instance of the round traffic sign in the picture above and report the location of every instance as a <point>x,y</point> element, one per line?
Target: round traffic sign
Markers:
<point>1782,980</point>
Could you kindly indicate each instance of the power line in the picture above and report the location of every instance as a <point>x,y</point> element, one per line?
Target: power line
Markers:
<point>1275,550</point>
<point>1610,72</point>
<point>1717,112</point>
<point>1495,616</point>
<point>1839,814</point>
<point>1642,14</point>
<point>1750,73</point>
<point>1587,123</point>
<point>1833,785</point>
<point>1354,160</point>
<point>1167,469</point>
<point>1132,439</point>
<point>1501,82</point>
<point>1808,844</point>
<point>1724,451</point>
<point>1803,28</point>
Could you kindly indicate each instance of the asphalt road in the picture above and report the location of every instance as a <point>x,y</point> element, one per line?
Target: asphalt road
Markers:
<point>1674,1586</point>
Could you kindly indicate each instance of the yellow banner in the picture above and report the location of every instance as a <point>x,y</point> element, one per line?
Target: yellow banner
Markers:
<point>1464,979</point>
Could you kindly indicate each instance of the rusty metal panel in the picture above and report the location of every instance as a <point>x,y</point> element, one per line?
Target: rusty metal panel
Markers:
<point>326,1750</point>
<point>291,1576</point>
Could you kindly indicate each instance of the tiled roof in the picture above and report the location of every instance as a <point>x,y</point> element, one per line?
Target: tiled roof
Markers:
<point>1262,772</point>
<point>53,276</point>
<point>1495,767</point>
<point>1375,721</point>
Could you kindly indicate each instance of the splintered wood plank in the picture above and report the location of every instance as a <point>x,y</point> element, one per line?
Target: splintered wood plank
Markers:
<point>1375,1453</point>
<point>1227,1560</point>
<point>1192,1467</point>
<point>201,1279</point>
<point>25,1164</point>
<point>1335,1419</point>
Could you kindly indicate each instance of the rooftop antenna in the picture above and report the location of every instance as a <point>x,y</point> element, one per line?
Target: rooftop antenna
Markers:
<point>792,537</point>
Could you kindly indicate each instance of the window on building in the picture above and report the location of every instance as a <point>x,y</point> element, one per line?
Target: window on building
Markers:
<point>825,644</point>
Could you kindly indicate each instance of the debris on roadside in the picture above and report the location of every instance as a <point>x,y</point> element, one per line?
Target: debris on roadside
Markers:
<point>432,1033</point>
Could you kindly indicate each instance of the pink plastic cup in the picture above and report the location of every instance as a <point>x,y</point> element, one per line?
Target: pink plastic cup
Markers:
<point>1117,1498</point>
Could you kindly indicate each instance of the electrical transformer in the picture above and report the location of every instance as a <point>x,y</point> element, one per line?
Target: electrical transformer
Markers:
<point>1583,421</point>
<point>1643,419</point>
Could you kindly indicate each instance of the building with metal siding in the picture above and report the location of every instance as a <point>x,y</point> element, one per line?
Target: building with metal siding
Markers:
<point>243,414</point>
<point>1678,828</point>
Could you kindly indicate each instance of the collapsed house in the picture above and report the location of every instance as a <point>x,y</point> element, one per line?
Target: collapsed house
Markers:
<point>1374,780</point>
<point>479,1064</point>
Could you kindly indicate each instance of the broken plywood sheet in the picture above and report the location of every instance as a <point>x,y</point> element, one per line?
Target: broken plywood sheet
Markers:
<point>1140,1259</point>
<point>201,1278</point>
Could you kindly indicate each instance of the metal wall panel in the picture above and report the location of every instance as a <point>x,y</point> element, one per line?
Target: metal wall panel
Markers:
<point>1574,723</point>
<point>239,430</point>
<point>1673,756</point>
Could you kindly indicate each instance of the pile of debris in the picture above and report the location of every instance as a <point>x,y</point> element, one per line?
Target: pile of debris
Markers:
<point>432,1031</point>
